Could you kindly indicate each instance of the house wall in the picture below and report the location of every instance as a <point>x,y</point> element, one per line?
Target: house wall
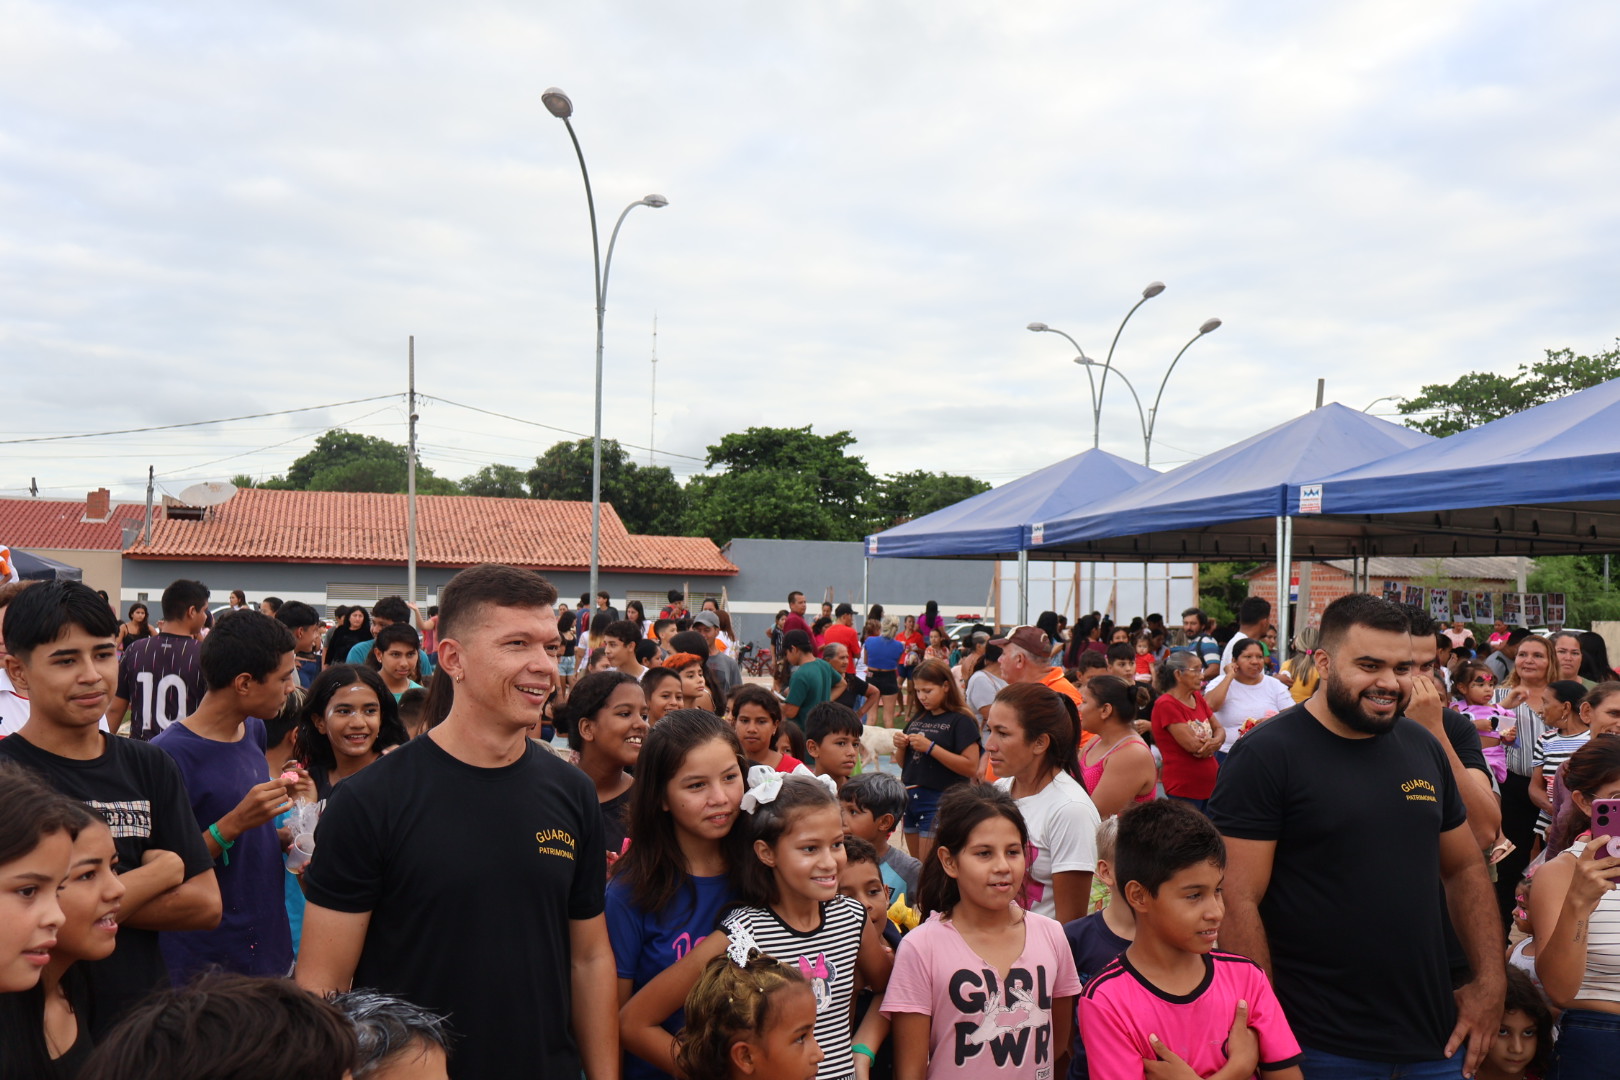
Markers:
<point>769,569</point>
<point>1328,583</point>
<point>102,569</point>
<point>314,583</point>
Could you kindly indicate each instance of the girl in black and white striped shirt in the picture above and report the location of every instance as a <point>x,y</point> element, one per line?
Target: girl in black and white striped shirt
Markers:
<point>791,911</point>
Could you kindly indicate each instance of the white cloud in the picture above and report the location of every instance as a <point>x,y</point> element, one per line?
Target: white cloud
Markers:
<point>213,212</point>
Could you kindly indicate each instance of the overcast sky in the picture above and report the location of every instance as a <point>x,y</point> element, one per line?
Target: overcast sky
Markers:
<point>214,210</point>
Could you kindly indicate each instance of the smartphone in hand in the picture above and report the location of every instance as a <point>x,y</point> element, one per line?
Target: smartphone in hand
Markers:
<point>1606,827</point>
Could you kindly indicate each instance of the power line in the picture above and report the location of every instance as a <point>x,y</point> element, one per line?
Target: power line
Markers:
<point>196,423</point>
<point>549,427</point>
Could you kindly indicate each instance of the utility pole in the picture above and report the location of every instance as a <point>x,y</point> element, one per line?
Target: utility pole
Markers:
<point>652,431</point>
<point>151,479</point>
<point>410,474</point>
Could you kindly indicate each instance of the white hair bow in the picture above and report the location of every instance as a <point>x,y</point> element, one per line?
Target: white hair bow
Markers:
<point>765,784</point>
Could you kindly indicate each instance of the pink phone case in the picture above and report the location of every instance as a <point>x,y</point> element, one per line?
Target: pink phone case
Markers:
<point>1606,822</point>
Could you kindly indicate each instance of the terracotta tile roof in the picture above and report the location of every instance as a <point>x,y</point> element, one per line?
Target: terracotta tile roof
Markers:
<point>452,530</point>
<point>40,523</point>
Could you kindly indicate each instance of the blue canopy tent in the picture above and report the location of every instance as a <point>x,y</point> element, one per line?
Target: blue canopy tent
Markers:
<point>994,524</point>
<point>1222,506</point>
<point>1542,481</point>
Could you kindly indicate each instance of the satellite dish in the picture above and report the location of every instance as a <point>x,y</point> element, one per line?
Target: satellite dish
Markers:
<point>208,493</point>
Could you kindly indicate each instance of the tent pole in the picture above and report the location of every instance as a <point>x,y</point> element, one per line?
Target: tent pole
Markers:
<point>1282,584</point>
<point>1023,588</point>
<point>1283,629</point>
<point>866,586</point>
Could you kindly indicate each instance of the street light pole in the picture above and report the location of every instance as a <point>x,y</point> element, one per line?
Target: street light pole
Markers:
<point>1088,362</point>
<point>1042,328</point>
<point>559,105</point>
<point>1154,288</point>
<point>1209,327</point>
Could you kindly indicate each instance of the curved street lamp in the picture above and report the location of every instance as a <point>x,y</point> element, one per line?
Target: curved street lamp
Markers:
<point>1096,414</point>
<point>1209,327</point>
<point>1088,362</point>
<point>562,107</point>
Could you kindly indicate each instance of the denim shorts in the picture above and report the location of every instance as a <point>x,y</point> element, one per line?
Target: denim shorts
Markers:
<point>1320,1065</point>
<point>922,804</point>
<point>1588,1045</point>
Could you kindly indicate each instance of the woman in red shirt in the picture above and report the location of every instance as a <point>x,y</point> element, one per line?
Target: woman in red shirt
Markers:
<point>1185,731</point>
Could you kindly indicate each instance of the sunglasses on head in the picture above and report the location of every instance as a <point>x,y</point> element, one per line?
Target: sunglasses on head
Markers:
<point>1483,680</point>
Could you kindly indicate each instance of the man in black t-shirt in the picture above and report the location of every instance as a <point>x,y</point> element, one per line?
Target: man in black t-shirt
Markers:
<point>62,643</point>
<point>465,871</point>
<point>160,677</point>
<point>1340,816</point>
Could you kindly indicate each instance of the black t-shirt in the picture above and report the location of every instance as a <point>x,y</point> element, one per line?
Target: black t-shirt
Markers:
<point>952,731</point>
<point>616,819</point>
<point>138,789</point>
<point>161,678</point>
<point>1353,913</point>
<point>854,692</point>
<point>471,876</point>
<point>1464,739</point>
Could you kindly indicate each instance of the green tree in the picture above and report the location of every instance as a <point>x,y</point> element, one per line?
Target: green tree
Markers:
<point>1481,396</point>
<point>242,480</point>
<point>348,461</point>
<point>498,482</point>
<point>647,498</point>
<point>768,504</point>
<point>838,483</point>
<point>1221,588</point>
<point>900,497</point>
<point>1587,597</point>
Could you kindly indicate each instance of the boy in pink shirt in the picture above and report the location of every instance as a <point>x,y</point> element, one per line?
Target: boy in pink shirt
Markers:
<point>1170,996</point>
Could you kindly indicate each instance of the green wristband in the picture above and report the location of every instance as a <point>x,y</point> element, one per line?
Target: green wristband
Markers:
<point>224,844</point>
<point>862,1048</point>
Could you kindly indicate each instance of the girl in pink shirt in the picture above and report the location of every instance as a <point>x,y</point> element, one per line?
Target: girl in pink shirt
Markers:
<point>983,990</point>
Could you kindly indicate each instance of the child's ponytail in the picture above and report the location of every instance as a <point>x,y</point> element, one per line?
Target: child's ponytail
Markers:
<point>730,1003</point>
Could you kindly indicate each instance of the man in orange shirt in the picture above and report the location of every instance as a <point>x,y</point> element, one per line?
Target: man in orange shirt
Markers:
<point>1024,658</point>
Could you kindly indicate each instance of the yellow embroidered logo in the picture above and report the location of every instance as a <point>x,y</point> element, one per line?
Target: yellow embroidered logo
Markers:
<point>548,839</point>
<point>1419,791</point>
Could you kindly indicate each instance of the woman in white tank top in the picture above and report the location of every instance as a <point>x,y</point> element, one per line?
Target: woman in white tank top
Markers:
<point>1575,910</point>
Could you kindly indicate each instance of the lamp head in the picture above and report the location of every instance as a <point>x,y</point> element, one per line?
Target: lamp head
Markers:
<point>1210,326</point>
<point>1084,361</point>
<point>1153,289</point>
<point>1037,327</point>
<point>557,103</point>
<point>655,201</point>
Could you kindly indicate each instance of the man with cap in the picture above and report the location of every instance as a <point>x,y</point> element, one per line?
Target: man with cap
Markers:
<point>721,665</point>
<point>813,678</point>
<point>1026,657</point>
<point>842,632</point>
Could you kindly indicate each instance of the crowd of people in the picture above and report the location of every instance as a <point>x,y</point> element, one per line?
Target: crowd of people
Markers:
<point>497,838</point>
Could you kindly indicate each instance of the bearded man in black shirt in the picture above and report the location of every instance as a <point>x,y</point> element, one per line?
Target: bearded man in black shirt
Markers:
<point>1342,818</point>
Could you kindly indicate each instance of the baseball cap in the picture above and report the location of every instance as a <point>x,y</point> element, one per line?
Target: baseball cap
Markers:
<point>1032,639</point>
<point>706,618</point>
<point>798,639</point>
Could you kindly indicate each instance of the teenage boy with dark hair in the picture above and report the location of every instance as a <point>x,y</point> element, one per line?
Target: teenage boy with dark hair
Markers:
<point>1323,798</point>
<point>1254,619</point>
<point>619,642</point>
<point>229,1025</point>
<point>1122,661</point>
<point>663,629</point>
<point>676,608</point>
<point>159,681</point>
<point>248,665</point>
<point>305,624</point>
<point>61,641</point>
<point>1170,996</point>
<point>396,656</point>
<point>390,610</point>
<point>832,734</point>
<point>465,870</point>
<point>873,804</point>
